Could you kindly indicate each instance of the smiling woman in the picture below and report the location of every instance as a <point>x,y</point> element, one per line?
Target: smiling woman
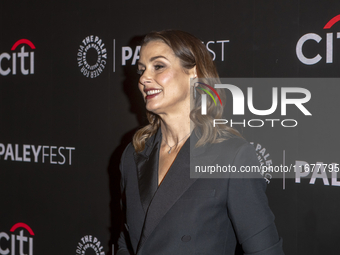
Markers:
<point>167,212</point>
<point>163,82</point>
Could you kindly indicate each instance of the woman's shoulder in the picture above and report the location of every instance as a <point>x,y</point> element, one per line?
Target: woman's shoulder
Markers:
<point>127,163</point>
<point>235,149</point>
<point>128,153</point>
<point>232,143</point>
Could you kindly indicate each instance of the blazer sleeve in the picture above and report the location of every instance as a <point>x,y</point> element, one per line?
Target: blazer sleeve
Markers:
<point>248,208</point>
<point>123,244</point>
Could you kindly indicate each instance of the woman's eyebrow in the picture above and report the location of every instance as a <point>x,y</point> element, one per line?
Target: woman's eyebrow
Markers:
<point>151,59</point>
<point>155,57</point>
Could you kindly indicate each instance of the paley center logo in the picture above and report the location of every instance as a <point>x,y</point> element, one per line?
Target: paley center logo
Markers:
<point>92,56</point>
<point>317,38</point>
<point>8,62</point>
<point>238,98</point>
<point>14,243</point>
<point>264,159</point>
<point>90,245</point>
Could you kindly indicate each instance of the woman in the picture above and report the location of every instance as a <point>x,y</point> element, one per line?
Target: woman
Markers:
<point>167,212</point>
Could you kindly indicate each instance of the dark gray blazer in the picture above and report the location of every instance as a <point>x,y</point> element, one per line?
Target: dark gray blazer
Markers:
<point>187,216</point>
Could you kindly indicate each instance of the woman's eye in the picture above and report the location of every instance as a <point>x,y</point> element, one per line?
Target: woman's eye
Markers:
<point>140,72</point>
<point>157,67</point>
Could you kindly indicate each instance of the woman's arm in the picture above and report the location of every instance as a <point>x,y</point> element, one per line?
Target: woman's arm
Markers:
<point>123,247</point>
<point>249,211</point>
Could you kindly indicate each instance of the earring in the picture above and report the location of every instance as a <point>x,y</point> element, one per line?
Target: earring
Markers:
<point>194,91</point>
<point>195,86</point>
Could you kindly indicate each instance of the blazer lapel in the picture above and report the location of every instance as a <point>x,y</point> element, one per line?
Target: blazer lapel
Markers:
<point>201,156</point>
<point>175,183</point>
<point>147,170</point>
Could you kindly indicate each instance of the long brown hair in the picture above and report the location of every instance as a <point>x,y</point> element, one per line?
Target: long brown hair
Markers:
<point>191,52</point>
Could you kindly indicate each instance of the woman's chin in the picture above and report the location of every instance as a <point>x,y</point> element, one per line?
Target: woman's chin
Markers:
<point>152,108</point>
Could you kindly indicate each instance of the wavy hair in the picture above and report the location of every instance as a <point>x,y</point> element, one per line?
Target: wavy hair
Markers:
<point>191,52</point>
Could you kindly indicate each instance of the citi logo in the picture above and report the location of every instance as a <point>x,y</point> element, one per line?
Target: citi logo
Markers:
<point>317,38</point>
<point>204,96</point>
<point>8,63</point>
<point>17,243</point>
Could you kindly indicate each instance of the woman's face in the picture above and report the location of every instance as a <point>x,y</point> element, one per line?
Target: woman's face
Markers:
<point>164,84</point>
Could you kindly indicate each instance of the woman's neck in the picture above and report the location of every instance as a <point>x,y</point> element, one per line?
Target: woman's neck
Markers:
<point>175,128</point>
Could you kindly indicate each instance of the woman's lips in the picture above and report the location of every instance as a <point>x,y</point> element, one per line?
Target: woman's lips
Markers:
<point>151,93</point>
<point>152,96</point>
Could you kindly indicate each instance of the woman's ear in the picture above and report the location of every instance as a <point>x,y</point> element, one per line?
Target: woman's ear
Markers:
<point>193,72</point>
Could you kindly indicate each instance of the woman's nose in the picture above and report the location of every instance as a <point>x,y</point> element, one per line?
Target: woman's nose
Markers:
<point>145,77</point>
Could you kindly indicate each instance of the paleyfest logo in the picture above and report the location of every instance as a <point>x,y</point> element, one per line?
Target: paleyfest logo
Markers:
<point>238,99</point>
<point>317,38</point>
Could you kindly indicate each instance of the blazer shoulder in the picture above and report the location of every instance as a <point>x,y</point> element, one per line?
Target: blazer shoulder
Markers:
<point>126,160</point>
<point>236,151</point>
<point>235,142</point>
<point>128,152</point>
<point>233,145</point>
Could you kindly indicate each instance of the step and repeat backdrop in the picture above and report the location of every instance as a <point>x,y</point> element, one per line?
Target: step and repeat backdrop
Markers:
<point>69,105</point>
